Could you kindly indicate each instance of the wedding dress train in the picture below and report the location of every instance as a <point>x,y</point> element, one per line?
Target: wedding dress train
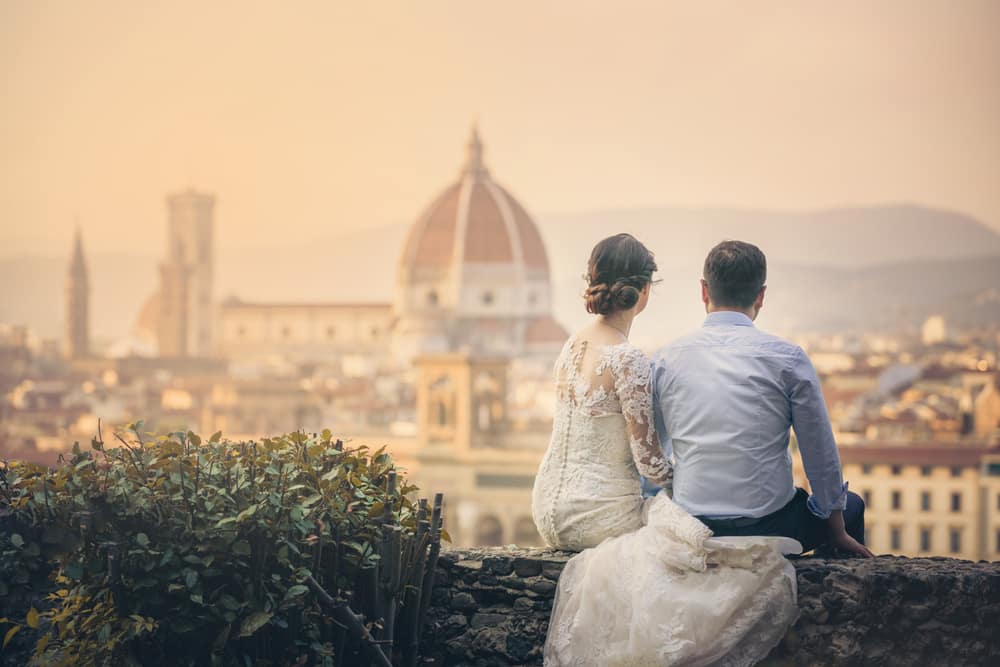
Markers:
<point>651,585</point>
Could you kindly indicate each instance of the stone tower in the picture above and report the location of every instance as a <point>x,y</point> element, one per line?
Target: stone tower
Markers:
<point>187,311</point>
<point>77,343</point>
<point>461,401</point>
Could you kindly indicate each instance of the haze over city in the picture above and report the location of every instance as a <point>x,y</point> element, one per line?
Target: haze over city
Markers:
<point>336,117</point>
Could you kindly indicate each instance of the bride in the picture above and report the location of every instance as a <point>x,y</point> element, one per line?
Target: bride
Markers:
<point>650,586</point>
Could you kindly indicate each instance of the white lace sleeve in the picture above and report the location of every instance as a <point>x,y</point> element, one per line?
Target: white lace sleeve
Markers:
<point>633,384</point>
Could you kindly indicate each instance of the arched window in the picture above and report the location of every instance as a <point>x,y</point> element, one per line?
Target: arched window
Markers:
<point>489,532</point>
<point>525,533</point>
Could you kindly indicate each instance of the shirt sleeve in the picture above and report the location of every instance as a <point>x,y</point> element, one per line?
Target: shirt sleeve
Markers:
<point>666,445</point>
<point>632,378</point>
<point>815,437</point>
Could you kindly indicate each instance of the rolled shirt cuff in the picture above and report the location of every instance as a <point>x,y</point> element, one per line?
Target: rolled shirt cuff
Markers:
<point>823,512</point>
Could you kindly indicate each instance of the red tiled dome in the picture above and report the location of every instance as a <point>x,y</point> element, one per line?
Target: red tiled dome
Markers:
<point>480,216</point>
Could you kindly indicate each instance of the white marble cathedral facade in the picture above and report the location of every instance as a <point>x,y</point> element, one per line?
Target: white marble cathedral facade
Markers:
<point>473,277</point>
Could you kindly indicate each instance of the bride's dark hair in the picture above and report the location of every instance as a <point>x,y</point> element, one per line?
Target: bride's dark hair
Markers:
<point>619,268</point>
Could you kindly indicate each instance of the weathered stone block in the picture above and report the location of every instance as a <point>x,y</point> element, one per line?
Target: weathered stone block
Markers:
<point>527,567</point>
<point>463,602</point>
<point>487,620</point>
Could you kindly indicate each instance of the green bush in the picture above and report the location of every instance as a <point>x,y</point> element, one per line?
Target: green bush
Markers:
<point>177,551</point>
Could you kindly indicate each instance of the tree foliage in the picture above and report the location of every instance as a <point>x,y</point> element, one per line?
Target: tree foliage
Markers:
<point>174,550</point>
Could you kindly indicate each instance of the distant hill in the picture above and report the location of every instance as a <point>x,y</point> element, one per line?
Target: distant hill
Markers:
<point>833,300</point>
<point>845,237</point>
<point>829,270</point>
<point>842,268</point>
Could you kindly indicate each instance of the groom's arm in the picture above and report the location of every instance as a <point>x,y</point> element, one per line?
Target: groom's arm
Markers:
<point>815,437</point>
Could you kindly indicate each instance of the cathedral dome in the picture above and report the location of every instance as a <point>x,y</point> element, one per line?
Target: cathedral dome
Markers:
<point>474,221</point>
<point>474,273</point>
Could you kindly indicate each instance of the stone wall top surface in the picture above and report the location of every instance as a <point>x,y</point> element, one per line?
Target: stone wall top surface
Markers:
<point>491,607</point>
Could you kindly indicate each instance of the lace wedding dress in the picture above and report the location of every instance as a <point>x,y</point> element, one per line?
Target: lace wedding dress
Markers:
<point>650,586</point>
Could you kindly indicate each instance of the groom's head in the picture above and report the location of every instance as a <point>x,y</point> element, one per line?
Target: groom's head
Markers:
<point>733,278</point>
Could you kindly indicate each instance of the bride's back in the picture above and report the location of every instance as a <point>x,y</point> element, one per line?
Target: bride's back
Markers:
<point>587,487</point>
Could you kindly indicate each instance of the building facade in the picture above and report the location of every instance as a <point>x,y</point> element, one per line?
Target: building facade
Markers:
<point>468,448</point>
<point>928,499</point>
<point>303,331</point>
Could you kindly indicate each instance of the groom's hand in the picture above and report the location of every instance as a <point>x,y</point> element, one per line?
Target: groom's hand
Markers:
<point>839,539</point>
<point>845,542</point>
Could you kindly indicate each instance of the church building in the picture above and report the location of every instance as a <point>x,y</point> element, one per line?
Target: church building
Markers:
<point>473,277</point>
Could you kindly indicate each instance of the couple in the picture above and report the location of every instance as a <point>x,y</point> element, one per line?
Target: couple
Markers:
<point>694,574</point>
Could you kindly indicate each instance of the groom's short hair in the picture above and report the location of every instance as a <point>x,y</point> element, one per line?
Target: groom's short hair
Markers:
<point>735,272</point>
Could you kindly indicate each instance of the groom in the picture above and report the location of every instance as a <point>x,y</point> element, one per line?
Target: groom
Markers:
<point>725,398</point>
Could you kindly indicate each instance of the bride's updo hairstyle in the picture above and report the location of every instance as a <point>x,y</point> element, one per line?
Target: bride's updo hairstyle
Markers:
<point>619,269</point>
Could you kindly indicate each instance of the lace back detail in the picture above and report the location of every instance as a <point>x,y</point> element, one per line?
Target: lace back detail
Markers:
<point>603,439</point>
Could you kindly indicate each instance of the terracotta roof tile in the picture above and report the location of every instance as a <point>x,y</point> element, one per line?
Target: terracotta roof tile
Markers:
<point>486,236</point>
<point>432,239</point>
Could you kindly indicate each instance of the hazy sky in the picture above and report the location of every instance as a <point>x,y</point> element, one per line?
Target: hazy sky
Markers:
<point>310,118</point>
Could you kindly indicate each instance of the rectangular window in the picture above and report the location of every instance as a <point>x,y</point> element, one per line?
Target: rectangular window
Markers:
<point>956,502</point>
<point>925,539</point>
<point>998,540</point>
<point>897,470</point>
<point>998,501</point>
<point>956,540</point>
<point>896,539</point>
<point>925,501</point>
<point>926,471</point>
<point>867,495</point>
<point>866,469</point>
<point>868,534</point>
<point>897,500</point>
<point>956,471</point>
<point>993,469</point>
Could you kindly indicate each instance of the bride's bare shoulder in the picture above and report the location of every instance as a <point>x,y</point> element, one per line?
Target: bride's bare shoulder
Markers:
<point>601,336</point>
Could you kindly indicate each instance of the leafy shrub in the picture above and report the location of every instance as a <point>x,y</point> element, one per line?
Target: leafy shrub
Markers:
<point>175,551</point>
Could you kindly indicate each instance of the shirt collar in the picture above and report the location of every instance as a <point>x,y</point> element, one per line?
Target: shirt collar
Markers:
<point>727,318</point>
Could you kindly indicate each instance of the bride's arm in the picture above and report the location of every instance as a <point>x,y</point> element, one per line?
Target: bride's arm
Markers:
<point>633,385</point>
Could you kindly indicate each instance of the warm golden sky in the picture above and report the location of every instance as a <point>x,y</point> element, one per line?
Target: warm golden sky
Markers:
<point>307,118</point>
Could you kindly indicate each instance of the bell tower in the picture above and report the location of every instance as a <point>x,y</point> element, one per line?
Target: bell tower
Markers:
<point>187,311</point>
<point>77,343</point>
<point>461,400</point>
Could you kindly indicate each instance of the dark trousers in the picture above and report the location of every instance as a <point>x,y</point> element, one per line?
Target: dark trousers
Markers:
<point>794,520</point>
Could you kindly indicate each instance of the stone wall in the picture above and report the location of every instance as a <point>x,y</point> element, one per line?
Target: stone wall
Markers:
<point>491,606</point>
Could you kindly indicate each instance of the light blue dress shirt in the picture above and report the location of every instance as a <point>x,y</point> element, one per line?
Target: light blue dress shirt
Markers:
<point>724,400</point>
